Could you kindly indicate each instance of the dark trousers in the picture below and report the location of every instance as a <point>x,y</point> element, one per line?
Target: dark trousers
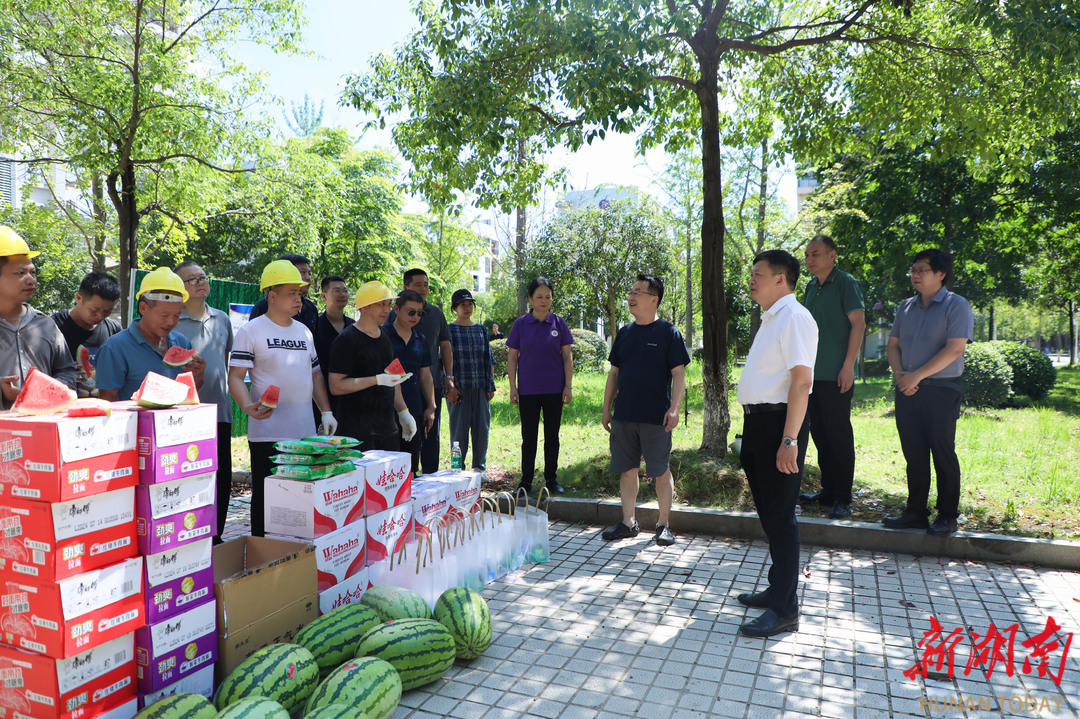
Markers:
<point>429,452</point>
<point>926,423</point>
<point>414,445</point>
<point>531,406</point>
<point>829,413</point>
<point>386,442</point>
<point>261,468</point>
<point>775,495</point>
<point>224,476</point>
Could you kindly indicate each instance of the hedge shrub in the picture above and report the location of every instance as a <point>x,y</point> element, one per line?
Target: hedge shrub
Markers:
<point>1033,372</point>
<point>589,351</point>
<point>500,351</point>
<point>987,377</point>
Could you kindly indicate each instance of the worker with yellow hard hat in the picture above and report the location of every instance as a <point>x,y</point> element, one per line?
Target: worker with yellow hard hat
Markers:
<point>127,357</point>
<point>277,351</point>
<point>308,314</point>
<point>369,398</point>
<point>28,338</point>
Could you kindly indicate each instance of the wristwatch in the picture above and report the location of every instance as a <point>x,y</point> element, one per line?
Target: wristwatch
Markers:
<point>790,442</point>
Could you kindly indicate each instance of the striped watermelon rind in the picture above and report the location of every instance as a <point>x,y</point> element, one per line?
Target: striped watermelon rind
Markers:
<point>392,603</point>
<point>334,711</point>
<point>332,638</point>
<point>371,687</point>
<point>286,673</point>
<point>179,706</point>
<point>254,708</point>
<point>465,613</point>
<point>421,650</point>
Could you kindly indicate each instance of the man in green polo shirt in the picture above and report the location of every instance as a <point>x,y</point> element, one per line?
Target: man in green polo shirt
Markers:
<point>835,300</point>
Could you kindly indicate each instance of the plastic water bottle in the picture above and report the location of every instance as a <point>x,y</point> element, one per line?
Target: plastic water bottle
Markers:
<point>455,456</point>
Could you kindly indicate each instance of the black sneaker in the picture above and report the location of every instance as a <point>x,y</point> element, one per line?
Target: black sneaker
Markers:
<point>664,537</point>
<point>620,531</point>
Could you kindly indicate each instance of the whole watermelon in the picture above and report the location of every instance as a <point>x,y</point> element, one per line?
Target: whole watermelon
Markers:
<point>254,708</point>
<point>396,603</point>
<point>465,613</point>
<point>370,687</point>
<point>286,673</point>
<point>179,706</point>
<point>332,638</point>
<point>334,711</point>
<point>421,650</point>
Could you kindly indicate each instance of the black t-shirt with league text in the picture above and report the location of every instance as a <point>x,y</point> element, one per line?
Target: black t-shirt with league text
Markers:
<point>371,410</point>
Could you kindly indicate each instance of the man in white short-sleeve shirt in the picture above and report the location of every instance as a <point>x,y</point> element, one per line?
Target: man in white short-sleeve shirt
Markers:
<point>774,390</point>
<point>274,349</point>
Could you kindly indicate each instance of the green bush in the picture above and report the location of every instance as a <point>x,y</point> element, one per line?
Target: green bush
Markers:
<point>1033,373</point>
<point>875,368</point>
<point>987,377</point>
<point>589,350</point>
<point>500,352</point>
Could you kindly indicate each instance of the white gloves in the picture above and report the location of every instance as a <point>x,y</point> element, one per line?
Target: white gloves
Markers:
<point>391,380</point>
<point>328,426</point>
<point>408,425</point>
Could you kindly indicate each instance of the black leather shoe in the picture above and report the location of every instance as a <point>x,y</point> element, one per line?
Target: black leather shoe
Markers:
<point>840,510</point>
<point>818,498</point>
<point>942,527</point>
<point>554,487</point>
<point>620,531</point>
<point>757,600</point>
<point>908,519</point>
<point>769,624</point>
<point>523,486</point>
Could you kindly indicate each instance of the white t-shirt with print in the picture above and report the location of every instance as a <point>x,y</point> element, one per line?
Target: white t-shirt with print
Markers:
<point>282,356</point>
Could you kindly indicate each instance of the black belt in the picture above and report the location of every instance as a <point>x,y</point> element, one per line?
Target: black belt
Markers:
<point>763,408</point>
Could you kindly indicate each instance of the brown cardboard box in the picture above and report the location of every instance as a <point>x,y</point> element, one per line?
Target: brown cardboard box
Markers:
<point>266,591</point>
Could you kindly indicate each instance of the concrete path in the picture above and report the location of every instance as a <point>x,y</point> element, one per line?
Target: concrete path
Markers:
<point>633,630</point>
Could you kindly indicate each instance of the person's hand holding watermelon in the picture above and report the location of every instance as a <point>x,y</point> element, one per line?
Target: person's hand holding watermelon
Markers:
<point>393,375</point>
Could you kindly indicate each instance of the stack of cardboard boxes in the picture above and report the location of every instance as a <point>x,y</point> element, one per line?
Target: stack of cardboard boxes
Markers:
<point>71,595</point>
<point>176,521</point>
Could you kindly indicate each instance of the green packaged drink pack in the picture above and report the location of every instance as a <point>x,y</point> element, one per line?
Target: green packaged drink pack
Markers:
<point>304,446</point>
<point>308,459</point>
<point>338,442</point>
<point>306,472</point>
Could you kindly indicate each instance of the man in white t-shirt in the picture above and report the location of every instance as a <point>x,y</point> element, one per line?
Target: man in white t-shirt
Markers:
<point>274,349</point>
<point>774,390</point>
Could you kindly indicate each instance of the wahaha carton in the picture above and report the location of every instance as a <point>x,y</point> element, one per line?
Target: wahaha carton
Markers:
<point>348,592</point>
<point>388,476</point>
<point>338,555</point>
<point>75,614</point>
<point>466,488</point>
<point>166,436</point>
<point>85,685</point>
<point>180,645</point>
<point>44,542</point>
<point>54,458</point>
<point>306,509</point>
<point>124,711</point>
<point>387,531</point>
<point>174,513</point>
<point>431,501</point>
<point>199,682</point>
<point>178,579</point>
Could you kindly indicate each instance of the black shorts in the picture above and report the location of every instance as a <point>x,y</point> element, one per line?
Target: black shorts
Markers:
<point>630,441</point>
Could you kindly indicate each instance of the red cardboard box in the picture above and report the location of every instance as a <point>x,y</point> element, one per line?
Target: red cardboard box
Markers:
<point>176,647</point>
<point>387,531</point>
<point>388,476</point>
<point>200,682</point>
<point>348,592</point>
<point>54,458</point>
<point>338,555</point>
<point>174,513</point>
<point>75,614</point>
<point>41,542</point>
<point>85,685</point>
<point>305,509</point>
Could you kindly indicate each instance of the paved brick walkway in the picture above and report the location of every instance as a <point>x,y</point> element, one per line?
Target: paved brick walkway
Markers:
<point>633,630</point>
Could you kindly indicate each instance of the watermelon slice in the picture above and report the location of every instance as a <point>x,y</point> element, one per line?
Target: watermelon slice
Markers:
<point>178,356</point>
<point>270,397</point>
<point>394,367</point>
<point>188,379</point>
<point>158,391</point>
<point>83,358</point>
<point>41,394</point>
<point>90,407</point>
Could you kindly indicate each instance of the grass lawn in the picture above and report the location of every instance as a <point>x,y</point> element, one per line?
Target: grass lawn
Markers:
<point>1020,464</point>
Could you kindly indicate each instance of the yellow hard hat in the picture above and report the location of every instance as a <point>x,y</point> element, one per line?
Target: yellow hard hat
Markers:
<point>162,280</point>
<point>372,292</point>
<point>281,272</point>
<point>12,244</point>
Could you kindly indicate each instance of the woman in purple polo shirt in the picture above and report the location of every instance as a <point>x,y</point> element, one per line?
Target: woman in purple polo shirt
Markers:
<point>541,373</point>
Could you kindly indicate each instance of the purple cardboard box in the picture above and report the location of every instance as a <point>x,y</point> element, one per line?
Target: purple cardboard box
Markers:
<point>164,464</point>
<point>170,514</point>
<point>178,579</point>
<point>168,651</point>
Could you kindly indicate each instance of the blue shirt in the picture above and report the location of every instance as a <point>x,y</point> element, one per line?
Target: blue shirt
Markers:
<point>124,361</point>
<point>924,330</point>
<point>472,357</point>
<point>413,356</point>
<point>212,336</point>
<point>645,356</point>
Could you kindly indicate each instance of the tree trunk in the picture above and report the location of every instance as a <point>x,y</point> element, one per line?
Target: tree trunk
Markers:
<point>713,307</point>
<point>127,215</point>
<point>763,187</point>
<point>688,335</point>
<point>1072,333</point>
<point>101,239</point>
<point>519,243</point>
<point>991,329</point>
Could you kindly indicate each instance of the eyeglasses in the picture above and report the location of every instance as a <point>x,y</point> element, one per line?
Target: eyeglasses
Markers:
<point>414,313</point>
<point>911,272</point>
<point>204,280</point>
<point>339,290</point>
<point>636,293</point>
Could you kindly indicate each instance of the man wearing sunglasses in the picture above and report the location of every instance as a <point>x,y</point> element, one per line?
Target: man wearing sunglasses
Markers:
<point>411,349</point>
